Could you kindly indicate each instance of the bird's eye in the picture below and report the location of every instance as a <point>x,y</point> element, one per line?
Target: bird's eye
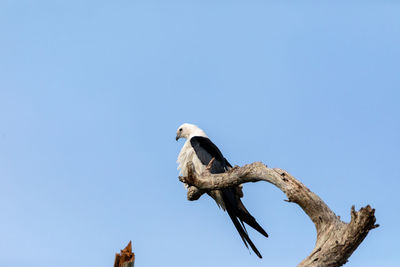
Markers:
<point>180,129</point>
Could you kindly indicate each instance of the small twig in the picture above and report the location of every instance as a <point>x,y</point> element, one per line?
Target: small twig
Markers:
<point>208,168</point>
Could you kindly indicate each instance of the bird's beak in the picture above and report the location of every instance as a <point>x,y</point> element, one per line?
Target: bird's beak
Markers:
<point>177,137</point>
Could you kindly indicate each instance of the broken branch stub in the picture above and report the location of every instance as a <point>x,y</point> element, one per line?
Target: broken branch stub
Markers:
<point>126,258</point>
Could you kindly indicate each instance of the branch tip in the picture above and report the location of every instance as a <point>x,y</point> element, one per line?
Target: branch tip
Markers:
<point>208,168</point>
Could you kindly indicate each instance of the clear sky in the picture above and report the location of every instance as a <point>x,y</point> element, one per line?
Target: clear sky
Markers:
<point>92,92</point>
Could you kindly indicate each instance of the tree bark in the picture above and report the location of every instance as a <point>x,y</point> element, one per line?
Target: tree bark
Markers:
<point>126,258</point>
<point>336,240</point>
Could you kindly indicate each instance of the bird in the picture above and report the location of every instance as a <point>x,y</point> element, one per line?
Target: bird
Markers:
<point>200,150</point>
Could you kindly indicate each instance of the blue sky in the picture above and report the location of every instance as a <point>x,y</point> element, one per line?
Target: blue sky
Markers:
<point>91,94</point>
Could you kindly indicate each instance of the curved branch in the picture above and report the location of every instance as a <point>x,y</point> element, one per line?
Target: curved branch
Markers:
<point>336,240</point>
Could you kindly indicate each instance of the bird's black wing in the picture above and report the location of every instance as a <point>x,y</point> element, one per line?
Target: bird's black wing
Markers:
<point>206,151</point>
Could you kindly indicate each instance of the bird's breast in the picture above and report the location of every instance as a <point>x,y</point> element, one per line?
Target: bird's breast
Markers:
<point>186,155</point>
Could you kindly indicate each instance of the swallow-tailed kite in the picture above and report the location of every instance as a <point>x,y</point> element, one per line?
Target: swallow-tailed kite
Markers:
<point>199,149</point>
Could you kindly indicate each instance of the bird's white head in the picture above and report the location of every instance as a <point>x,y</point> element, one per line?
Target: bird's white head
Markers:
<point>188,130</point>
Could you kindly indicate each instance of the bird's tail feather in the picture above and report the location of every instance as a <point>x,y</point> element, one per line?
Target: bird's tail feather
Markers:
<point>246,217</point>
<point>237,212</point>
<point>243,233</point>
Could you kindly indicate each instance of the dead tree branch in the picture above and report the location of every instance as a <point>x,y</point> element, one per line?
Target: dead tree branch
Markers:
<point>126,258</point>
<point>336,240</point>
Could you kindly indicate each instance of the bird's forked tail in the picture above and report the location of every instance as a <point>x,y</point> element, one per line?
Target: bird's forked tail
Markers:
<point>239,215</point>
